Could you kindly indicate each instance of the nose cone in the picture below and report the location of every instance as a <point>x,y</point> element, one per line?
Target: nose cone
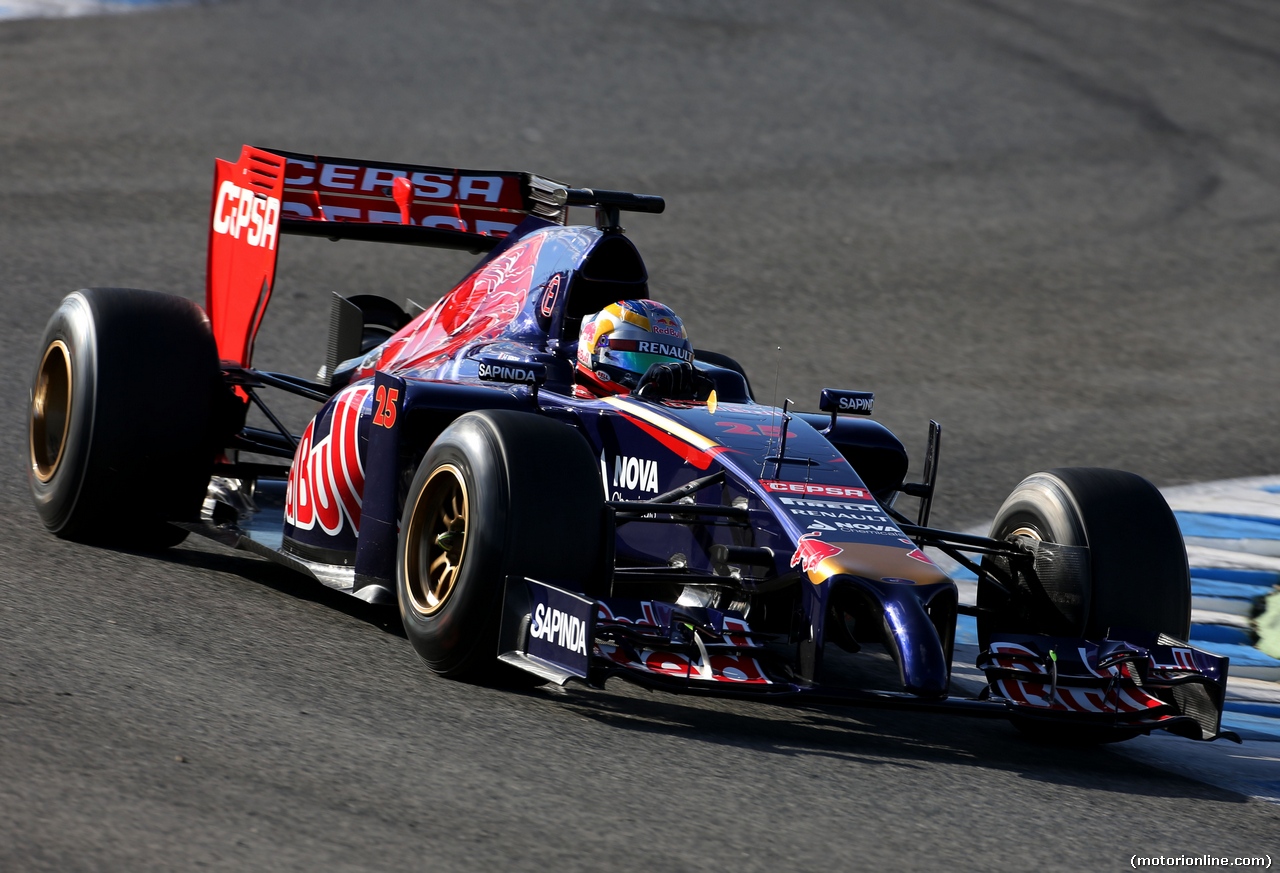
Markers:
<point>922,653</point>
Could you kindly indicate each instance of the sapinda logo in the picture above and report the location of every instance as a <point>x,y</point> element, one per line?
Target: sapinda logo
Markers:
<point>326,480</point>
<point>856,404</point>
<point>503,373</point>
<point>239,211</point>
<point>559,628</point>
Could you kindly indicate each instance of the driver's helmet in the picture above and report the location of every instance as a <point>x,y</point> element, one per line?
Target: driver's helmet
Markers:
<point>620,342</point>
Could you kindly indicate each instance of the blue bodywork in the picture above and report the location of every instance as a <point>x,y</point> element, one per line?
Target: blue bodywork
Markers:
<point>826,563</point>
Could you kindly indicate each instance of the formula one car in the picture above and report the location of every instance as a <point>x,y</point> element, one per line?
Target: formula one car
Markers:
<point>537,509</point>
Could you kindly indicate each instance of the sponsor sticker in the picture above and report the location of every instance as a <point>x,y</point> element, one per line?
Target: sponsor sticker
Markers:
<point>665,326</point>
<point>560,627</point>
<point>521,373</point>
<point>651,347</point>
<point>811,551</point>
<point>815,489</point>
<point>635,474</point>
<point>239,211</point>
<point>853,402</point>
<point>547,305</point>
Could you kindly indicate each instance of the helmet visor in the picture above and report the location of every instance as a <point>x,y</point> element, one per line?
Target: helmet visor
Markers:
<point>631,357</point>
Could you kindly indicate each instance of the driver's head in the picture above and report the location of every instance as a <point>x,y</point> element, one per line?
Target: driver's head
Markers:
<point>618,344</point>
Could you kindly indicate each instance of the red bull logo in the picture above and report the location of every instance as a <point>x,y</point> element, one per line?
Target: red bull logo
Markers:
<point>326,481</point>
<point>665,326</point>
<point>811,551</point>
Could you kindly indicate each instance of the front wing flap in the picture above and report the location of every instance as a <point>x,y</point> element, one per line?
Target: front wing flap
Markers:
<point>1131,680</point>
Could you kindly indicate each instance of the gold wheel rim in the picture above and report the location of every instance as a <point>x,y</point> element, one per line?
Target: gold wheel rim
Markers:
<point>436,542</point>
<point>50,410</point>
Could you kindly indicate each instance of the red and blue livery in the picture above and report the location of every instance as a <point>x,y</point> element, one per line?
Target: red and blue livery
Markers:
<point>692,540</point>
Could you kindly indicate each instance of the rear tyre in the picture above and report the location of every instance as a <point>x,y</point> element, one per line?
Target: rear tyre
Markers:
<point>121,431</point>
<point>499,494</point>
<point>1136,576</point>
<point>381,318</point>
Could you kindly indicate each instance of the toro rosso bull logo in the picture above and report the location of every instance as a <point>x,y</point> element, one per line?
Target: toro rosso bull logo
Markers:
<point>811,551</point>
<point>326,481</point>
<point>242,210</point>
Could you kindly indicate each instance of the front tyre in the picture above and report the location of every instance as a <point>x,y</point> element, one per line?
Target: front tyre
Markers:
<point>1136,576</point>
<point>499,494</point>
<point>121,422</point>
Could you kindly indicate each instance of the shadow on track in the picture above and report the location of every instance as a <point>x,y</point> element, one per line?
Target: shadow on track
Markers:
<point>201,554</point>
<point>875,737</point>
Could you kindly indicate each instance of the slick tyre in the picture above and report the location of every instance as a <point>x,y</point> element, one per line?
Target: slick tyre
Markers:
<point>499,493</point>
<point>1136,576</point>
<point>121,420</point>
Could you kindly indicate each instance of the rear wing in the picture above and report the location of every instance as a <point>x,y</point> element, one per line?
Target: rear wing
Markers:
<point>339,198</point>
<point>268,193</point>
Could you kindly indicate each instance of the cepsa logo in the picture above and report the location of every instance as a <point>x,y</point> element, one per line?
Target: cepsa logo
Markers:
<point>847,492</point>
<point>242,210</point>
<point>346,192</point>
<point>372,180</point>
<point>326,481</point>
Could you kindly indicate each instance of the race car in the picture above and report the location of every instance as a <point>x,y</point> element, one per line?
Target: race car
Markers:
<point>551,482</point>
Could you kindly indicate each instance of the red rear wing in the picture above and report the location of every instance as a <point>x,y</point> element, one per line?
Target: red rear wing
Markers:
<point>409,203</point>
<point>267,193</point>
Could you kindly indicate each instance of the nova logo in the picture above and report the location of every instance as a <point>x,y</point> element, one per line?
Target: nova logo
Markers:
<point>635,474</point>
<point>559,628</point>
<point>239,210</point>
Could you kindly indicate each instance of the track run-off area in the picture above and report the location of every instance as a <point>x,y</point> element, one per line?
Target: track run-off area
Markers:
<point>1054,228</point>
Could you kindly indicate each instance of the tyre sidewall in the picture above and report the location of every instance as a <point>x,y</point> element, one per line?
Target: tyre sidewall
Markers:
<point>56,499</point>
<point>536,509</point>
<point>447,639</point>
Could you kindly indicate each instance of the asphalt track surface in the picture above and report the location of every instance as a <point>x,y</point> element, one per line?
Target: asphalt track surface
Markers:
<point>1053,227</point>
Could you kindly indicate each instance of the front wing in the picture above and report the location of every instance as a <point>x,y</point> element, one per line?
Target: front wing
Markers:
<point>1156,683</point>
